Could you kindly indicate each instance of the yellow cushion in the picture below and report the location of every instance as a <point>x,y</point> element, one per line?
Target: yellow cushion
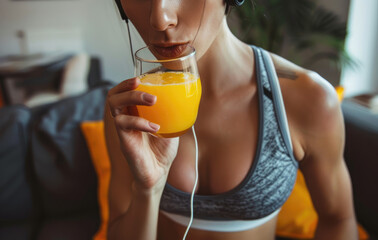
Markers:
<point>95,138</point>
<point>340,92</point>
<point>297,219</point>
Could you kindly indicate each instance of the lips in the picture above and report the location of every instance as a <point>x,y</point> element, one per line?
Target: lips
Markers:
<point>169,50</point>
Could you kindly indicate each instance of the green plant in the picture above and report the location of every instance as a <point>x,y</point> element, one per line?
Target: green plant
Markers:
<point>299,30</point>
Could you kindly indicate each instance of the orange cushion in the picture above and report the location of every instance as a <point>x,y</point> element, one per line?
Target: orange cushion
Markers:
<point>297,219</point>
<point>95,138</point>
<point>340,92</point>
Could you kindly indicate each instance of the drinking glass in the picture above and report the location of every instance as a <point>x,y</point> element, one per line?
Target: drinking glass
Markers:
<point>176,84</point>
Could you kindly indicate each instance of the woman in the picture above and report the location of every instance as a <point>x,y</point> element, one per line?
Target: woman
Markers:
<point>249,144</point>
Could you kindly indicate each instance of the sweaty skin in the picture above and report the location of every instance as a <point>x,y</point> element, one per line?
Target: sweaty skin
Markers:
<point>142,164</point>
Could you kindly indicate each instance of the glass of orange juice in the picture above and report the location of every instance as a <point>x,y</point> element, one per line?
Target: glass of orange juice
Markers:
<point>171,74</point>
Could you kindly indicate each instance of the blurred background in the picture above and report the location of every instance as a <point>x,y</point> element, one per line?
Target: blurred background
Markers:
<point>338,38</point>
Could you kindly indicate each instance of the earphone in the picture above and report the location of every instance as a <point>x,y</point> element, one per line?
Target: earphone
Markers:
<point>123,14</point>
<point>234,3</point>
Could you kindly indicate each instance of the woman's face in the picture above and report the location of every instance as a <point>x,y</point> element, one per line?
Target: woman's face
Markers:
<point>170,25</point>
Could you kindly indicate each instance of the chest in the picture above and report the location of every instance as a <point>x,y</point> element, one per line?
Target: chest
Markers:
<point>227,134</point>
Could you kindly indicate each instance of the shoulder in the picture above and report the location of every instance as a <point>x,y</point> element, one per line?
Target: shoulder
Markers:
<point>311,103</point>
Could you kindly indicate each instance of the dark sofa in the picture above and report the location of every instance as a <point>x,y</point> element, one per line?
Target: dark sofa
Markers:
<point>361,156</point>
<point>48,187</point>
<point>48,184</point>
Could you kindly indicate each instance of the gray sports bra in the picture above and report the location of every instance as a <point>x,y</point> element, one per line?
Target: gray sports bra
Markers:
<point>272,175</point>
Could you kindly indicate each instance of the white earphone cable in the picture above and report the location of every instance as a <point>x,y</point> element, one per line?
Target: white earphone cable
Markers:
<point>194,187</point>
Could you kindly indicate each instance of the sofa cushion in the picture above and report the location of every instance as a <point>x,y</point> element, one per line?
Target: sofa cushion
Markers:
<point>75,76</point>
<point>16,195</point>
<point>78,227</point>
<point>95,137</point>
<point>19,231</point>
<point>63,168</point>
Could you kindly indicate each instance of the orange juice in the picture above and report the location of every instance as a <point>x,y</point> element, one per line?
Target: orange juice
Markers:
<point>178,96</point>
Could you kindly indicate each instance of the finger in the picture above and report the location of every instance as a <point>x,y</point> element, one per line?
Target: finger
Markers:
<point>120,101</point>
<point>126,85</point>
<point>132,110</point>
<point>134,123</point>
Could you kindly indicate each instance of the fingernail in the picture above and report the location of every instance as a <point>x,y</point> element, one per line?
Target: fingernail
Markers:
<point>131,82</point>
<point>154,126</point>
<point>149,98</point>
<point>115,112</point>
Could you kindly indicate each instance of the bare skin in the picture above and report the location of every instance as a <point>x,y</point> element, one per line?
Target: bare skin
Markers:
<point>226,128</point>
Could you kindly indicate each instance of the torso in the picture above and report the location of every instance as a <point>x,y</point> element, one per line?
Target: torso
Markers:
<point>217,174</point>
<point>222,121</point>
<point>169,230</point>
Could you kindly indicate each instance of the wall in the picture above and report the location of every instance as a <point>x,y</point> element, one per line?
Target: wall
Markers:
<point>103,33</point>
<point>362,44</point>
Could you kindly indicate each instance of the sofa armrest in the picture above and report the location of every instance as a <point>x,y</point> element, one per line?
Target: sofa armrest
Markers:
<point>361,156</point>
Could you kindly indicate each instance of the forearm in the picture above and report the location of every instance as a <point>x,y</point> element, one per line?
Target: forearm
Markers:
<point>141,219</point>
<point>345,229</point>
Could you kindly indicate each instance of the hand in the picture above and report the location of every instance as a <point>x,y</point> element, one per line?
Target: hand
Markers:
<point>148,157</point>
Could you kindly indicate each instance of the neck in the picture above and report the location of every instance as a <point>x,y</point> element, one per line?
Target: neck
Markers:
<point>226,64</point>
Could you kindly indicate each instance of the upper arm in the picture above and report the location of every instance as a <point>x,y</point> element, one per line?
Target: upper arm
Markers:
<point>321,130</point>
<point>317,132</point>
<point>121,178</point>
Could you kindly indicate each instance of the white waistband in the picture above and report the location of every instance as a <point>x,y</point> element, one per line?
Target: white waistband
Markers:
<point>220,226</point>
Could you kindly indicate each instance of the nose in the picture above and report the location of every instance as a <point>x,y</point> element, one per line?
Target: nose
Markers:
<point>163,15</point>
